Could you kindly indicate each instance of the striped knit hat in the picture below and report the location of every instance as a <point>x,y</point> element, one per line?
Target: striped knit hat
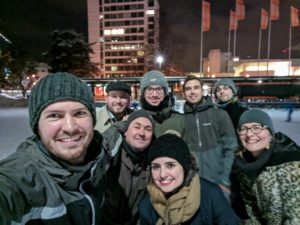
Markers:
<point>58,87</point>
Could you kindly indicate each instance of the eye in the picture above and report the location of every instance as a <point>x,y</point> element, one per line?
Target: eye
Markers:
<point>148,129</point>
<point>257,128</point>
<point>53,116</point>
<point>137,127</point>
<point>81,113</point>
<point>170,165</point>
<point>155,167</point>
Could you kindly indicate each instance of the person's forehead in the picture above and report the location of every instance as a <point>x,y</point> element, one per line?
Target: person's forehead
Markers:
<point>142,120</point>
<point>250,124</point>
<point>155,86</point>
<point>223,86</point>
<point>193,82</point>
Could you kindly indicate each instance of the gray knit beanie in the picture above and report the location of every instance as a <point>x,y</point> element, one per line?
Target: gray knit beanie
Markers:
<point>118,86</point>
<point>154,77</point>
<point>137,114</point>
<point>257,116</point>
<point>225,82</point>
<point>172,146</point>
<point>58,87</point>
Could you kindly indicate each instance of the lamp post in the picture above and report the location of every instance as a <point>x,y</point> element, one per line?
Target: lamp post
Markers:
<point>159,60</point>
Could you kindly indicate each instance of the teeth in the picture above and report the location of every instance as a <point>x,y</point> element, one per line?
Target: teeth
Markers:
<point>70,139</point>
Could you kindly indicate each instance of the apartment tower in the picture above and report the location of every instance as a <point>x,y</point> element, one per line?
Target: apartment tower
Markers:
<point>124,34</point>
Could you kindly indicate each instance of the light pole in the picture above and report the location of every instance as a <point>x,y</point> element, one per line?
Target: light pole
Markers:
<point>159,59</point>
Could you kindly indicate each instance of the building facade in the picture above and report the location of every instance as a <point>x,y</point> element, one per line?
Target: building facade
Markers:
<point>124,35</point>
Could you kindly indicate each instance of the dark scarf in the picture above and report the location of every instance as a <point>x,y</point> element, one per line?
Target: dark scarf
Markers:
<point>252,166</point>
<point>223,105</point>
<point>203,105</point>
<point>136,156</point>
<point>161,112</point>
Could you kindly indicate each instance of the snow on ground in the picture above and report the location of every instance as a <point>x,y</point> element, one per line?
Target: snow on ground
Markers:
<point>14,127</point>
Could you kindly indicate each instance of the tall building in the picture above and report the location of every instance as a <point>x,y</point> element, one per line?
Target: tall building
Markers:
<point>124,34</point>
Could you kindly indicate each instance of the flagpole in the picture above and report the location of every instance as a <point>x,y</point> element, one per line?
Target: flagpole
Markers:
<point>259,49</point>
<point>201,49</point>
<point>228,49</point>
<point>269,39</point>
<point>234,42</point>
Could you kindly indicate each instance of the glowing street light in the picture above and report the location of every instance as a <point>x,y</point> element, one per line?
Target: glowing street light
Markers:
<point>159,60</point>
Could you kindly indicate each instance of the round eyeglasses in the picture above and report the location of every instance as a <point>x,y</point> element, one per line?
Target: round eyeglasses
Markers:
<point>156,89</point>
<point>256,129</point>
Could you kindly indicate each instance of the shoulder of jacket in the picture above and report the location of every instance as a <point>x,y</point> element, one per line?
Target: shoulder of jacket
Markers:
<point>112,141</point>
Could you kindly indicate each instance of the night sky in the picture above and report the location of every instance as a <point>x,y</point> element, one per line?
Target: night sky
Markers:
<point>28,24</point>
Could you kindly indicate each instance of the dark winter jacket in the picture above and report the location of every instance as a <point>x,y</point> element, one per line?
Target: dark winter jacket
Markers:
<point>270,184</point>
<point>234,109</point>
<point>166,119</point>
<point>211,136</point>
<point>126,183</point>
<point>213,210</point>
<point>36,188</point>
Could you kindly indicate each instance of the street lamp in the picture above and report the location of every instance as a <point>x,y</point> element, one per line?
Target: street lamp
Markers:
<point>159,60</point>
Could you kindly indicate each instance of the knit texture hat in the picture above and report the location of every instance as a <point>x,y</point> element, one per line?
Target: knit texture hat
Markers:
<point>172,146</point>
<point>257,116</point>
<point>118,86</point>
<point>225,82</point>
<point>58,87</point>
<point>154,77</point>
<point>137,114</point>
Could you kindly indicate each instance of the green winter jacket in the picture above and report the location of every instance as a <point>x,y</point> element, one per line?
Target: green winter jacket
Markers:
<point>211,137</point>
<point>35,188</point>
<point>270,185</point>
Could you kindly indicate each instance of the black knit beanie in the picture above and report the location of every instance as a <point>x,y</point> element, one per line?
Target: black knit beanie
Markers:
<point>257,116</point>
<point>57,87</point>
<point>118,86</point>
<point>172,146</point>
<point>137,114</point>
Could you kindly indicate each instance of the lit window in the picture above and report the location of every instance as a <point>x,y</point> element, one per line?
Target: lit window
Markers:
<point>107,32</point>
<point>150,12</point>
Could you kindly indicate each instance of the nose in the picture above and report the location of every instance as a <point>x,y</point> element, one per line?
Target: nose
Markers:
<point>69,123</point>
<point>163,173</point>
<point>118,100</point>
<point>142,132</point>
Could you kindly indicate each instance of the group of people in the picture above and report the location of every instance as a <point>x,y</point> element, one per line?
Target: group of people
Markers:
<point>217,163</point>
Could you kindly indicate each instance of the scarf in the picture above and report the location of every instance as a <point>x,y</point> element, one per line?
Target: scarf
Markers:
<point>164,104</point>
<point>179,207</point>
<point>223,105</point>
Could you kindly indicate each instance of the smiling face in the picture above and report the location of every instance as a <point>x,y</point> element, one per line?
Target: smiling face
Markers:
<point>66,129</point>
<point>167,173</point>
<point>117,102</point>
<point>255,142</point>
<point>193,91</point>
<point>139,134</point>
<point>224,93</point>
<point>154,95</point>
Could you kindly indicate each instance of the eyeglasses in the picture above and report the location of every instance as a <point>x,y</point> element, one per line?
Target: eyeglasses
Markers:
<point>156,89</point>
<point>256,129</point>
